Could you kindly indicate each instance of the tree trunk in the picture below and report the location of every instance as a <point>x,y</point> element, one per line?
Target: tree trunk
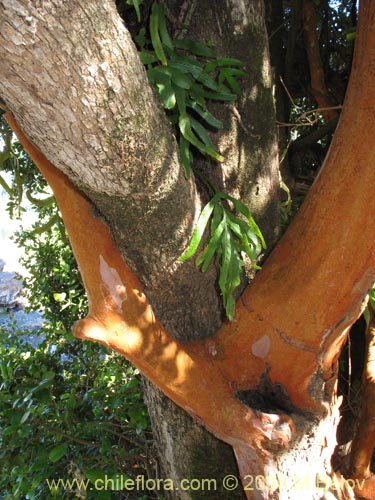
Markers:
<point>96,118</point>
<point>265,383</point>
<point>250,172</point>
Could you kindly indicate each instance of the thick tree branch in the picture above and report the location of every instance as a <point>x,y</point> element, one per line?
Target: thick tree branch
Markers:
<point>248,140</point>
<point>292,320</point>
<point>312,287</point>
<point>318,85</point>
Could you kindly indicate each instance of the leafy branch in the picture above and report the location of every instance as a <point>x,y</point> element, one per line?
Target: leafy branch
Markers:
<point>231,238</point>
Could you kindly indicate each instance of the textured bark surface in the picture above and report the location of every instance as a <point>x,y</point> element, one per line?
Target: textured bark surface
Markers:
<point>98,120</point>
<point>249,139</point>
<point>364,441</point>
<point>102,126</point>
<point>186,450</point>
<point>94,115</point>
<point>192,374</point>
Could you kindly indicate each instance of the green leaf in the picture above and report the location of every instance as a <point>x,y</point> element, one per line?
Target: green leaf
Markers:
<point>234,72</point>
<point>196,94</point>
<point>162,81</point>
<point>147,57</point>
<point>185,128</point>
<point>25,416</point>
<point>243,209</point>
<point>230,235</point>
<point>224,268</point>
<point>185,155</point>
<point>181,103</point>
<point>205,114</point>
<point>46,382</point>
<point>59,297</point>
<point>219,96</point>
<point>201,132</point>
<point>187,66</point>
<point>157,12</point>
<point>199,49</point>
<point>230,307</point>
<point>208,81</point>
<point>167,96</point>
<point>165,38</point>
<point>179,78</point>
<point>199,230</point>
<point>205,257</point>
<point>12,429</point>
<point>234,225</point>
<point>136,4</point>
<point>222,62</point>
<point>217,215</point>
<point>140,38</point>
<point>95,474</point>
<point>372,297</point>
<point>4,371</point>
<point>227,75</point>
<point>58,452</point>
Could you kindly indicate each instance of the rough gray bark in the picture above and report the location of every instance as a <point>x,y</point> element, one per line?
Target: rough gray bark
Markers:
<point>187,451</point>
<point>94,115</point>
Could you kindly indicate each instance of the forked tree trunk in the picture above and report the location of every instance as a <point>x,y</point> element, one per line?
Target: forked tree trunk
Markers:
<point>265,383</point>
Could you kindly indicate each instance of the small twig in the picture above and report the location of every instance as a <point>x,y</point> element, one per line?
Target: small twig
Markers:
<point>289,94</point>
<point>349,396</point>
<point>218,22</point>
<point>238,116</point>
<point>75,439</point>
<point>186,13</point>
<point>305,116</point>
<point>275,31</point>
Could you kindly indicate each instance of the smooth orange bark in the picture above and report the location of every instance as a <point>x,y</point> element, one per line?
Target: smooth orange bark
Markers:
<point>290,322</point>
